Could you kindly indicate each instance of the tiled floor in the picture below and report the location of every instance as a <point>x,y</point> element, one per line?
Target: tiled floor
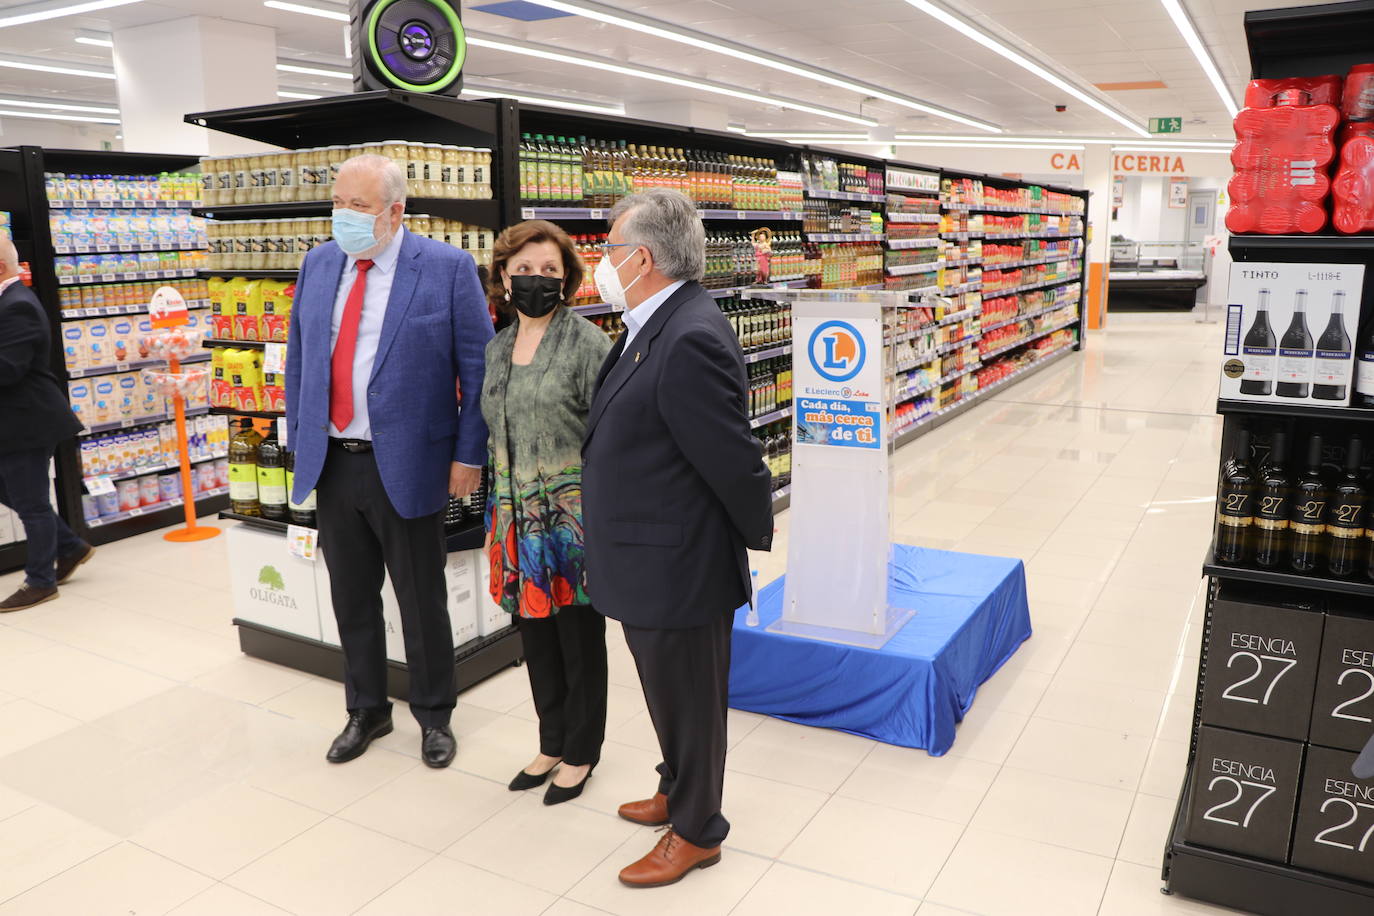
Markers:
<point>147,767</point>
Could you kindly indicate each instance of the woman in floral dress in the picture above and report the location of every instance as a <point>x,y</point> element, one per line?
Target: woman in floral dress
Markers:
<point>540,376</point>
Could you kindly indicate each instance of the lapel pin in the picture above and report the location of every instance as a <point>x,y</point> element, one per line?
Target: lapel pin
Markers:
<point>636,356</point>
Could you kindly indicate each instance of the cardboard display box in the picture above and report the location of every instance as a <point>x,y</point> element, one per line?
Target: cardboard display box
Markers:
<point>270,586</point>
<point>1343,707</point>
<point>1290,330</point>
<point>1262,662</point>
<point>1335,832</point>
<point>1244,791</point>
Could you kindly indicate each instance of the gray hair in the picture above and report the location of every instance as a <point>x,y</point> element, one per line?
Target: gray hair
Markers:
<point>393,179</point>
<point>667,223</point>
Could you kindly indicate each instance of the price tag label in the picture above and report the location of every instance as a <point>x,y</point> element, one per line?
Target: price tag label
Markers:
<point>527,213</point>
<point>281,432</point>
<point>108,278</point>
<point>125,424</point>
<point>597,214</point>
<point>740,214</point>
<point>99,486</point>
<point>80,205</point>
<point>274,359</point>
<point>135,512</point>
<point>300,542</point>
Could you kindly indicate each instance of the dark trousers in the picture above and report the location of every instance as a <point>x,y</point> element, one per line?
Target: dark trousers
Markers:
<point>24,490</point>
<point>566,658</point>
<point>363,537</point>
<point>686,679</point>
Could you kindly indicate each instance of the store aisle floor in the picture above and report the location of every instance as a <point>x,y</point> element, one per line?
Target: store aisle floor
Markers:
<point>146,766</point>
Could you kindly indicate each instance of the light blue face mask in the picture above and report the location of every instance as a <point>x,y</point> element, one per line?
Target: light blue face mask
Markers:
<point>355,232</point>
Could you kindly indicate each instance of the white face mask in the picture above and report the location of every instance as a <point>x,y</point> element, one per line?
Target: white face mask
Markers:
<point>608,281</point>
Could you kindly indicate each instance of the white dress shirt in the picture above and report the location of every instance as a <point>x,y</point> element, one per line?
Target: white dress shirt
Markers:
<point>6,284</point>
<point>375,297</point>
<point>636,318</point>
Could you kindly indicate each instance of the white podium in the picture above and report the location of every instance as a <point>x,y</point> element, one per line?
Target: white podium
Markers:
<point>840,543</point>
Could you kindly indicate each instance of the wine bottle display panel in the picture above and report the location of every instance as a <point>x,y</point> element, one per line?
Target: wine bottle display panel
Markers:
<point>1290,333</point>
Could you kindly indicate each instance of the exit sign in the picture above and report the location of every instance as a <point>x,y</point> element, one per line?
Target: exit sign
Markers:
<point>1166,125</point>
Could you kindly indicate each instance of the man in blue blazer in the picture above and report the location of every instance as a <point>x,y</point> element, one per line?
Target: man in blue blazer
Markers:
<point>387,336</point>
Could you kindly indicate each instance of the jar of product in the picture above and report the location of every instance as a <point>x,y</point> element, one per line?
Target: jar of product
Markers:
<point>255,179</point>
<point>462,173</point>
<point>338,155</point>
<point>448,186</point>
<point>207,181</point>
<point>305,182</point>
<point>305,239</point>
<point>286,176</point>
<point>240,180</point>
<point>419,224</point>
<point>415,169</point>
<point>287,256</point>
<point>434,169</point>
<point>321,230</point>
<point>481,174</point>
<point>397,151</point>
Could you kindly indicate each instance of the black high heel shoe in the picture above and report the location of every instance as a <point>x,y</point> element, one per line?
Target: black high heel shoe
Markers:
<point>557,794</point>
<point>523,780</point>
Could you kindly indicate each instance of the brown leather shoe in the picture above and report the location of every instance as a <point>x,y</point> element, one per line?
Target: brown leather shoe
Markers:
<point>26,597</point>
<point>651,812</point>
<point>668,863</point>
<point>67,566</point>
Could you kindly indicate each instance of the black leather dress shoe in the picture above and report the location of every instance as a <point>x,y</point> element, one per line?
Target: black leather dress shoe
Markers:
<point>364,726</point>
<point>437,746</point>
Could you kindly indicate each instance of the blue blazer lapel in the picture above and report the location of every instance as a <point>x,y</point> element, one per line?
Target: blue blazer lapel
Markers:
<point>402,291</point>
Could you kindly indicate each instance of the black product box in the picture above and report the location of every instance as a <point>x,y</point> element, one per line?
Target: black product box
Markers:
<point>1335,817</point>
<point>1343,709</point>
<point>1244,791</point>
<point>1261,667</point>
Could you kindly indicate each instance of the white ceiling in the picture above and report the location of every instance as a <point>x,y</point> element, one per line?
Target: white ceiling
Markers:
<point>887,43</point>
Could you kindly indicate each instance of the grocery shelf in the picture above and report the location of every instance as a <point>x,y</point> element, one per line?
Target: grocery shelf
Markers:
<point>970,287</point>
<point>960,262</point>
<point>962,236</point>
<point>178,274</point>
<point>1304,409</point>
<point>477,212</point>
<point>132,365</point>
<point>1031,339</point>
<point>904,270</point>
<point>859,196</point>
<point>278,274</point>
<point>919,292</point>
<point>256,521</point>
<point>725,292</point>
<point>773,417</point>
<point>845,236</point>
<point>924,192</point>
<point>952,345</point>
<point>1357,585</point>
<point>1007,208</point>
<point>959,316</point>
<point>770,353</point>
<point>593,213</point>
<point>166,504</point>
<point>913,217</point>
<point>123,204</point>
<point>1028,287</point>
<point>99,311</point>
<point>782,498</point>
<point>1012,265</point>
<point>1034,235</point>
<point>124,249</point>
<point>210,342</point>
<point>901,244</point>
<point>96,428</point>
<point>256,414</point>
<point>140,472</point>
<point>945,414</point>
<point>1028,315</point>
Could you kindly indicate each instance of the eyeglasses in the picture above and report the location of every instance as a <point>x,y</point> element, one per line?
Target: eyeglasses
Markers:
<point>607,246</point>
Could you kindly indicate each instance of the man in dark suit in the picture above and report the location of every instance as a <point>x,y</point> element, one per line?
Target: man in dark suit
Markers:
<point>35,418</point>
<point>386,329</point>
<point>674,491</point>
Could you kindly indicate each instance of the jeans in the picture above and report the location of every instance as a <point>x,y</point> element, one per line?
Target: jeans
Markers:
<point>24,490</point>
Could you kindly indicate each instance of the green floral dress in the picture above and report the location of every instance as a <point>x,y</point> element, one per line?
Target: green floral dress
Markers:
<point>537,415</point>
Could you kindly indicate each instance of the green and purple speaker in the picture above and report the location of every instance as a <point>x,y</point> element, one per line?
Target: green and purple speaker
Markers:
<point>415,45</point>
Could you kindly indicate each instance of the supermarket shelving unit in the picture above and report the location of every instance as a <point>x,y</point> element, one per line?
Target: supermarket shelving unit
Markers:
<point>1300,41</point>
<point>357,118</point>
<point>23,193</point>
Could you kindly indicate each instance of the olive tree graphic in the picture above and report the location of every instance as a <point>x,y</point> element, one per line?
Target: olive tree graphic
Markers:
<point>271,578</point>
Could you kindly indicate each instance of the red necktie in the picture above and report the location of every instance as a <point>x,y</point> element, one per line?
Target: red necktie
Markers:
<point>341,364</point>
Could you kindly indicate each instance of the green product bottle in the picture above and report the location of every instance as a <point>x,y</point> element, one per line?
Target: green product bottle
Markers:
<point>525,177</point>
<point>272,480</point>
<point>302,513</point>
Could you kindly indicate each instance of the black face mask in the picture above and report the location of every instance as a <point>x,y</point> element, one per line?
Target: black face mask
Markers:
<point>535,295</point>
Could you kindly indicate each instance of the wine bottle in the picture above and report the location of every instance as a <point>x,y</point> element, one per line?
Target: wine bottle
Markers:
<point>1345,514</point>
<point>1258,350</point>
<point>1236,507</point>
<point>1295,353</point>
<point>1364,368</point>
<point>1271,505</point>
<point>1308,523</point>
<point>1332,365</point>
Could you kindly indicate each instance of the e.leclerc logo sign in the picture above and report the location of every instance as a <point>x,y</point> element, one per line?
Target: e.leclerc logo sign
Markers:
<point>837,351</point>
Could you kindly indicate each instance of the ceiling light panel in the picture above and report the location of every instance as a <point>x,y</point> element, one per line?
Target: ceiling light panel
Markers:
<point>40,66</point>
<point>57,106</point>
<point>1185,27</point>
<point>338,15</point>
<point>39,12</point>
<point>43,116</point>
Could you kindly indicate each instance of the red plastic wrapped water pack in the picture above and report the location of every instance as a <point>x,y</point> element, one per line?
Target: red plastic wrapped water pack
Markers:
<point>1324,90</point>
<point>1357,104</point>
<point>1282,160</point>
<point>1352,191</point>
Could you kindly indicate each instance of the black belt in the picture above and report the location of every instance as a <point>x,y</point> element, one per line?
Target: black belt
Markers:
<point>356,446</point>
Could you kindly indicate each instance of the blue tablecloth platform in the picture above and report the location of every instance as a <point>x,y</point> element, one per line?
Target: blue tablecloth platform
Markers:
<point>971,615</point>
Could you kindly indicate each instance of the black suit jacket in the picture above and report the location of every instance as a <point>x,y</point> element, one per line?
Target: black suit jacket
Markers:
<point>674,486</point>
<point>34,412</point>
